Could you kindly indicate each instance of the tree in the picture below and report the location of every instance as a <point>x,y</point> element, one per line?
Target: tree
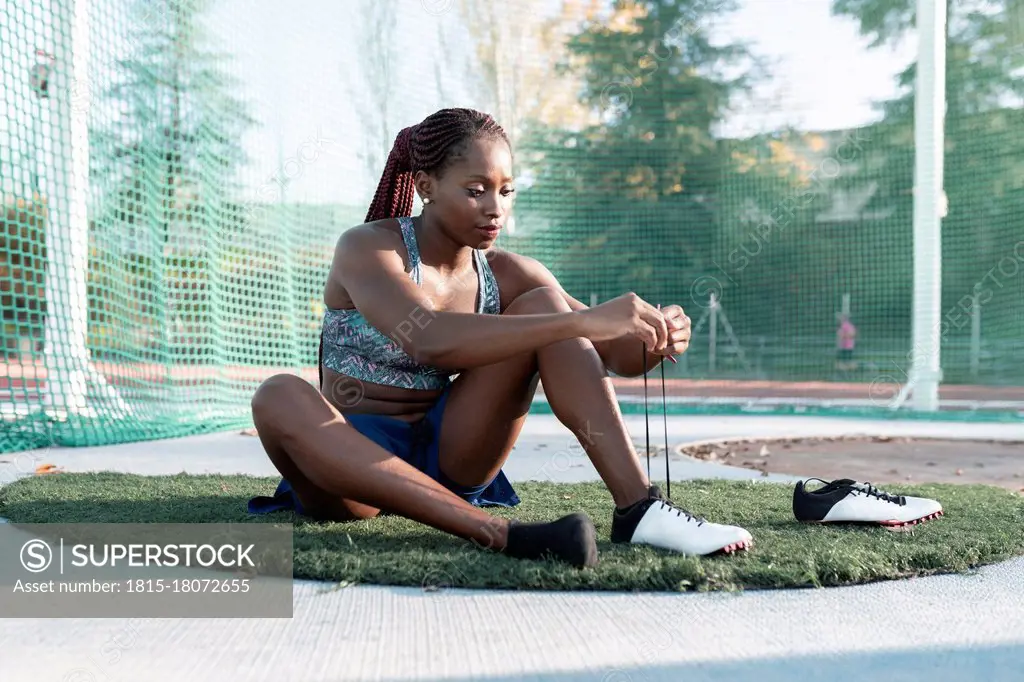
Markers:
<point>183,121</point>
<point>372,81</point>
<point>516,48</point>
<point>630,200</point>
<point>169,166</point>
<point>983,44</point>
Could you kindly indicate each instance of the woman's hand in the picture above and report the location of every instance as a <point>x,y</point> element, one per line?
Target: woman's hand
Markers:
<point>678,324</point>
<point>629,314</point>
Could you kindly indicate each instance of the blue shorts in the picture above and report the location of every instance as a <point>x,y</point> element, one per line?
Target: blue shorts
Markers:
<point>417,444</point>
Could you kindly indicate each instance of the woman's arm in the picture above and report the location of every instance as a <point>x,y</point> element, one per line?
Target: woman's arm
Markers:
<point>621,355</point>
<point>367,265</point>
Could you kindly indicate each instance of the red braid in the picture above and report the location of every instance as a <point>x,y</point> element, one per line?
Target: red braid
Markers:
<point>429,146</point>
<point>394,193</point>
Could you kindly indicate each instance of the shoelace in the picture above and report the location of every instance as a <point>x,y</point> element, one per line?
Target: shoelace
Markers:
<point>665,501</point>
<point>664,420</point>
<point>667,504</point>
<point>872,491</point>
<point>867,489</point>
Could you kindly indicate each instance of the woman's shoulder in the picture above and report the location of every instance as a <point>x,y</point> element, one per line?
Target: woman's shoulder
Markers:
<point>373,235</point>
<point>370,250</point>
<point>501,259</point>
<point>518,273</point>
<point>371,238</point>
<point>511,262</point>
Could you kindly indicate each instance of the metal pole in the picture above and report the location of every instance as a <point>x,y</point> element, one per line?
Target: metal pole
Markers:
<point>66,191</point>
<point>975,337</point>
<point>65,172</point>
<point>929,111</point>
<point>713,333</point>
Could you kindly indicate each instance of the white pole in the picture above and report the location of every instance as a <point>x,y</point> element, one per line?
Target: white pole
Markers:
<point>929,111</point>
<point>66,189</point>
<point>64,352</point>
<point>713,333</point>
<point>846,305</point>
<point>593,299</point>
<point>975,337</point>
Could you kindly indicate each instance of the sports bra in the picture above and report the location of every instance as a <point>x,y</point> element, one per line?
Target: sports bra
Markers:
<point>350,345</point>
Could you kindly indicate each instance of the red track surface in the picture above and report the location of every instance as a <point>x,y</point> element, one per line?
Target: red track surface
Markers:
<point>21,377</point>
<point>804,389</point>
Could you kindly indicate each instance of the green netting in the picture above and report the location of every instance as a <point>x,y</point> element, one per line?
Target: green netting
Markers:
<point>174,175</point>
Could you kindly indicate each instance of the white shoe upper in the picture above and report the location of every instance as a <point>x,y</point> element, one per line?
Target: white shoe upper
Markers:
<point>669,527</point>
<point>859,505</point>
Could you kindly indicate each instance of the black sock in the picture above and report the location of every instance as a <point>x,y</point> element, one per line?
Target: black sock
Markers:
<point>571,538</point>
<point>653,493</point>
<point>626,519</point>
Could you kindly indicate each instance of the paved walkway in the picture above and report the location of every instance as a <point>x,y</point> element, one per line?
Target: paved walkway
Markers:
<point>939,629</point>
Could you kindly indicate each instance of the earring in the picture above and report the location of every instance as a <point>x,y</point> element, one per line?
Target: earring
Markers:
<point>426,200</point>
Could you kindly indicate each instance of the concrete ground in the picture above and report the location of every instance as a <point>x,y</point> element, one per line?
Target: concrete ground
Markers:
<point>945,628</point>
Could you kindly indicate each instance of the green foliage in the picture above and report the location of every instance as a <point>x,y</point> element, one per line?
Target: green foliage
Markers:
<point>639,183</point>
<point>164,178</point>
<point>984,156</point>
<point>650,198</point>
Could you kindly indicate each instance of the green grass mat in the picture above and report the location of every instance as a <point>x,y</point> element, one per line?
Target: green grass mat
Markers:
<point>982,525</point>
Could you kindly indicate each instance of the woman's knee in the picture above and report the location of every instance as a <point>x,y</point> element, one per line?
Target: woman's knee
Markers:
<point>538,300</point>
<point>274,395</point>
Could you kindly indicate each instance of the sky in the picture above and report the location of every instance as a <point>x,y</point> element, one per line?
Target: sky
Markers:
<point>294,59</point>
<point>825,77</point>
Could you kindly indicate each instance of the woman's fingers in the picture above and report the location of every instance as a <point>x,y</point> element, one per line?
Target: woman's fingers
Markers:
<point>675,318</point>
<point>648,333</point>
<point>656,320</point>
<point>679,335</point>
<point>678,342</point>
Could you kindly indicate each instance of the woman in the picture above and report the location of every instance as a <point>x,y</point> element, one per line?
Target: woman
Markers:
<point>413,301</point>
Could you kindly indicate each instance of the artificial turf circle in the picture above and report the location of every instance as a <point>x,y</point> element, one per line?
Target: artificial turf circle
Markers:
<point>981,525</point>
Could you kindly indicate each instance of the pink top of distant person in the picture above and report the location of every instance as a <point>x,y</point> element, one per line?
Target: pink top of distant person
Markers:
<point>847,334</point>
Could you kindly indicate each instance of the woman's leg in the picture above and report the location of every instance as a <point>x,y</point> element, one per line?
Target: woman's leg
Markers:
<point>488,405</point>
<point>309,441</point>
<point>339,474</point>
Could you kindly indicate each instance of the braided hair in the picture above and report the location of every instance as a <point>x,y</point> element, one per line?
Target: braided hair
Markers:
<point>431,146</point>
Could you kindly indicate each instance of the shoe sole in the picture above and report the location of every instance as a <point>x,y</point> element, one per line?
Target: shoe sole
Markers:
<point>897,526</point>
<point>735,547</point>
<point>888,525</point>
<point>743,545</point>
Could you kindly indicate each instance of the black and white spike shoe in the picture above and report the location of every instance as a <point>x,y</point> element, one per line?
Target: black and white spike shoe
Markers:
<point>847,501</point>
<point>657,522</point>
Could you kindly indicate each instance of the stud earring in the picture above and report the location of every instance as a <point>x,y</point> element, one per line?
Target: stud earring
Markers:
<point>426,200</point>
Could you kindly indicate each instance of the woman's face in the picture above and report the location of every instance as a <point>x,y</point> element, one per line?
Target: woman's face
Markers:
<point>473,198</point>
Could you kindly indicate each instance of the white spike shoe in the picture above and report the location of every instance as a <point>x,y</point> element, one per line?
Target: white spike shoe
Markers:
<point>659,523</point>
<point>847,501</point>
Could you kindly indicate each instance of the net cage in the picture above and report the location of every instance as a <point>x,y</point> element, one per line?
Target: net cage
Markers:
<point>175,174</point>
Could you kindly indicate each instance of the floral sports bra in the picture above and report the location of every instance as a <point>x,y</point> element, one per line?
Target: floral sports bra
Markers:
<point>350,345</point>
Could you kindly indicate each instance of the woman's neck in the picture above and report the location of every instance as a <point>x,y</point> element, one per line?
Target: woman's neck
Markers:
<point>438,250</point>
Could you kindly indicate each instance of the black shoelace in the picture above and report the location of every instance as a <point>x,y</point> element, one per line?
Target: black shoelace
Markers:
<point>665,501</point>
<point>872,491</point>
<point>866,489</point>
<point>690,516</point>
<point>664,419</point>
